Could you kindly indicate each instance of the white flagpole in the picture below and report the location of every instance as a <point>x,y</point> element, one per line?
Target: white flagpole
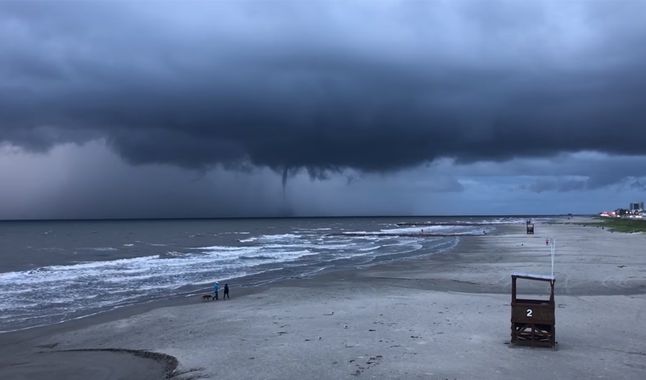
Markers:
<point>553,252</point>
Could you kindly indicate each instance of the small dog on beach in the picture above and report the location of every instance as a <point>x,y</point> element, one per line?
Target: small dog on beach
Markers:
<point>207,297</point>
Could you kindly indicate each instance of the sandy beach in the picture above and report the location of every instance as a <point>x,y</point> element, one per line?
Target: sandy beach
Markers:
<point>445,316</point>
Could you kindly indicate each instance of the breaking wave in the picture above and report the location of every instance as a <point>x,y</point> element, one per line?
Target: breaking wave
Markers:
<point>54,293</point>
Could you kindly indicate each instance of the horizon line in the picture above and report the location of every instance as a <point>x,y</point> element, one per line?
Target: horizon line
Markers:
<point>121,219</point>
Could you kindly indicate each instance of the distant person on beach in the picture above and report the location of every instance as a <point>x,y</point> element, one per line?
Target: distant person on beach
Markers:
<point>547,242</point>
<point>216,289</point>
<point>226,292</point>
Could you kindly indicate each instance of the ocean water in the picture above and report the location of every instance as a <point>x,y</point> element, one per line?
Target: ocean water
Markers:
<point>52,271</point>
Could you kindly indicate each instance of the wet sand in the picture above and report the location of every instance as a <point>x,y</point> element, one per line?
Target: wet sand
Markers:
<point>438,317</point>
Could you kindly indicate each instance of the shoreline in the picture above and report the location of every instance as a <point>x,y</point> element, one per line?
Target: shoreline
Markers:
<point>472,275</point>
<point>243,285</point>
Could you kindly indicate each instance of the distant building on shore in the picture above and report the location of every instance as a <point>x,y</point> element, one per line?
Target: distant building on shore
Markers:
<point>635,211</point>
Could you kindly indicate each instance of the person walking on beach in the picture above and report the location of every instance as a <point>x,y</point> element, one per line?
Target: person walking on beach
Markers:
<point>225,295</point>
<point>216,289</point>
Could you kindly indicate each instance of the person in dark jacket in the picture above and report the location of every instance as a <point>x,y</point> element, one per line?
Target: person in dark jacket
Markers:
<point>226,292</point>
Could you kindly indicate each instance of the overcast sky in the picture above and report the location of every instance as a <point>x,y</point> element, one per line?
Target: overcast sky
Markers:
<point>288,108</point>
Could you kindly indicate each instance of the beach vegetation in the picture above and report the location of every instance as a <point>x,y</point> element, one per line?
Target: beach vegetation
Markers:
<point>620,224</point>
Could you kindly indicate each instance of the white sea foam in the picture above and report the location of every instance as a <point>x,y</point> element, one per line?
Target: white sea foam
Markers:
<point>266,238</point>
<point>312,230</point>
<point>59,291</point>
<point>505,220</point>
<point>437,229</point>
<point>280,257</point>
<point>223,248</point>
<point>368,249</point>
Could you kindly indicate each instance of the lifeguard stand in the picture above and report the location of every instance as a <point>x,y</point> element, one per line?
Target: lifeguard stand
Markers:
<point>530,227</point>
<point>532,320</point>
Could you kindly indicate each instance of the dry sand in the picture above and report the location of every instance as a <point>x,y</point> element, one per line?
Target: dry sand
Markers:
<point>445,316</point>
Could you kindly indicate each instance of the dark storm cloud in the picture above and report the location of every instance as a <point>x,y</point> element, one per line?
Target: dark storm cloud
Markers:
<point>325,85</point>
<point>638,185</point>
<point>563,172</point>
<point>557,184</point>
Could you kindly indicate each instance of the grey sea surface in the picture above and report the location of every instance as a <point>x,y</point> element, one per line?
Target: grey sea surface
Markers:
<point>52,271</point>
